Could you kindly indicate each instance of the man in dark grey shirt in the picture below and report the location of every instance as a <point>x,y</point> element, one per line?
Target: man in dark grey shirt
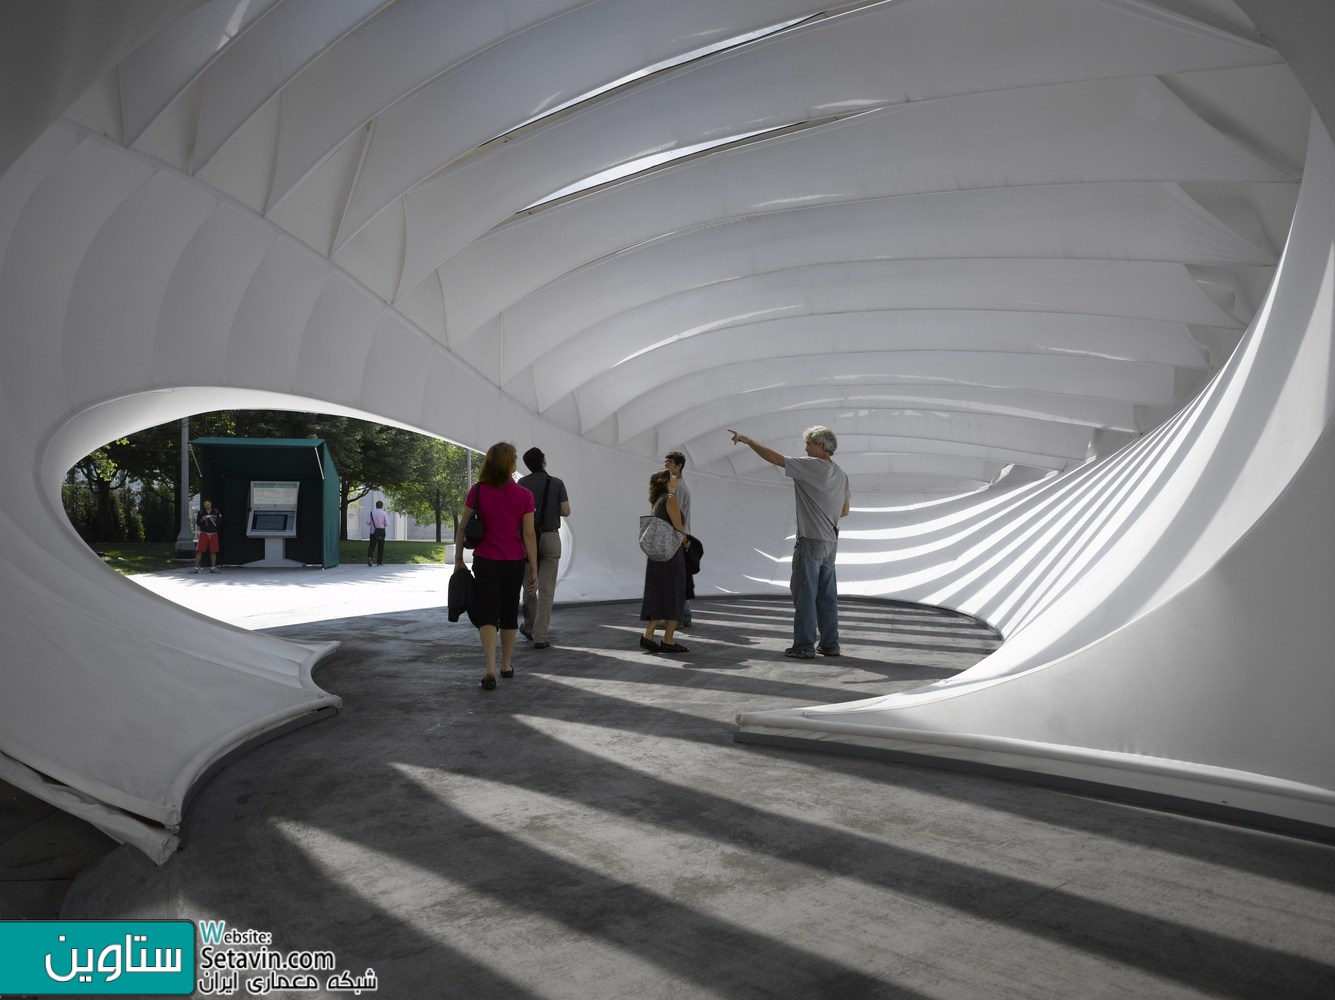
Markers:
<point>550,504</point>
<point>823,497</point>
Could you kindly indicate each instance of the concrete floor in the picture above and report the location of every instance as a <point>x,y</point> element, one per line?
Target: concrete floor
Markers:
<point>590,830</point>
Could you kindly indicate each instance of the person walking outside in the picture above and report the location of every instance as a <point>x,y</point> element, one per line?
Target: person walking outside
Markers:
<point>821,491</point>
<point>508,544</point>
<point>549,494</point>
<point>209,523</point>
<point>379,521</point>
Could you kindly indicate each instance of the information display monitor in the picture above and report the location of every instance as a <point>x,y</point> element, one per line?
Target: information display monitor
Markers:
<point>273,509</point>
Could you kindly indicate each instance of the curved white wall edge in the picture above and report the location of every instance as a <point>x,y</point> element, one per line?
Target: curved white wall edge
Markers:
<point>1201,628</point>
<point>1243,796</point>
<point>158,842</point>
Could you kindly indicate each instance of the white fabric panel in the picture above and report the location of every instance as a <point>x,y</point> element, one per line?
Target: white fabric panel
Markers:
<point>336,335</point>
<point>18,183</point>
<point>243,168</point>
<point>137,247</point>
<point>200,305</point>
<point>1124,129</point>
<point>157,71</point>
<point>504,85</point>
<point>51,53</point>
<point>375,257</point>
<point>62,217</point>
<point>264,341</point>
<point>1240,103</point>
<point>395,383</point>
<point>312,212</point>
<point>352,81</point>
<point>247,74</point>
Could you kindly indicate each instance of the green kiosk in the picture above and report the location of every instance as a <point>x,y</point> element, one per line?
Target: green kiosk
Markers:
<point>279,499</point>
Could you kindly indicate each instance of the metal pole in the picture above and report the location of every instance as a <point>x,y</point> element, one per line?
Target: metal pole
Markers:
<point>185,538</point>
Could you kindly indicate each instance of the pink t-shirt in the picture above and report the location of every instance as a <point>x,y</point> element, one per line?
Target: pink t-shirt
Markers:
<point>502,511</point>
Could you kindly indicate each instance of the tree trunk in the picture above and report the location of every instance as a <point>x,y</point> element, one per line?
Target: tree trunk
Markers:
<point>104,529</point>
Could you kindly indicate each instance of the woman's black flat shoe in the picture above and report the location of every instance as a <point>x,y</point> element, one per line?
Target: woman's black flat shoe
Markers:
<point>507,674</point>
<point>649,644</point>
<point>488,683</point>
<point>673,647</point>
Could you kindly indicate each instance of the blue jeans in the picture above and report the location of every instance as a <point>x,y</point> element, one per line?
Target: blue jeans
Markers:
<point>815,594</point>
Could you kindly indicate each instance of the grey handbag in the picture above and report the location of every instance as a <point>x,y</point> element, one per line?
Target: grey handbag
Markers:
<point>658,539</point>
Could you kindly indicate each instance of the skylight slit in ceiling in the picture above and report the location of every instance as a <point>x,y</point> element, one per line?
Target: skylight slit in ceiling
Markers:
<point>661,66</point>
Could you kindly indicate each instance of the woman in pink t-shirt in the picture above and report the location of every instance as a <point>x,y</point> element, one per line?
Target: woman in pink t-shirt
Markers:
<point>508,541</point>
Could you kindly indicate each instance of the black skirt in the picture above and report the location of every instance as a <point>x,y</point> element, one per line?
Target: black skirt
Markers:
<point>664,588</point>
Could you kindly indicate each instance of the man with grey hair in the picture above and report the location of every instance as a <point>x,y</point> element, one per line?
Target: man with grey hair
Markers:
<point>823,497</point>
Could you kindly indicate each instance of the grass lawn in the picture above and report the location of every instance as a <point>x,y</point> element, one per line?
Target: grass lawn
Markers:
<point>129,558</point>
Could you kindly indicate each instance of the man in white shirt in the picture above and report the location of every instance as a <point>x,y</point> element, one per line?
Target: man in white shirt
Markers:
<point>379,521</point>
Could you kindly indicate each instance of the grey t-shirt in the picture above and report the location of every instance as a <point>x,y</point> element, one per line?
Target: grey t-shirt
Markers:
<point>821,488</point>
<point>684,502</point>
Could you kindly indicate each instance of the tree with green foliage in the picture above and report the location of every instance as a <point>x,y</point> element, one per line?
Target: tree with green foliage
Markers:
<point>367,456</point>
<point>433,486</point>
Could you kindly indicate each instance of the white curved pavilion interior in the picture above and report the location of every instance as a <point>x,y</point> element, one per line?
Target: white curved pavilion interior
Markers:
<point>1060,275</point>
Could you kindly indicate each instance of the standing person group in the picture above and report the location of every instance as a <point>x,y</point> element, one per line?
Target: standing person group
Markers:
<point>509,544</point>
<point>821,490</point>
<point>521,530</point>
<point>209,523</point>
<point>379,522</point>
<point>549,494</point>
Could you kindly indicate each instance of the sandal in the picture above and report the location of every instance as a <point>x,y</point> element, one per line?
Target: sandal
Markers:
<point>673,647</point>
<point>649,644</point>
<point>507,674</point>
<point>488,683</point>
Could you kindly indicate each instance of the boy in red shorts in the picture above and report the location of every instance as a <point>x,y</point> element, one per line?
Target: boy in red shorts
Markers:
<point>208,521</point>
